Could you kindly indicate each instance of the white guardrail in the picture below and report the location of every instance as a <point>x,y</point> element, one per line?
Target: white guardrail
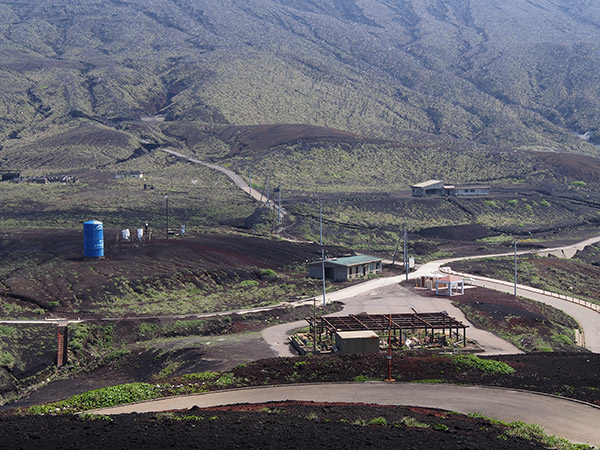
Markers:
<point>592,306</point>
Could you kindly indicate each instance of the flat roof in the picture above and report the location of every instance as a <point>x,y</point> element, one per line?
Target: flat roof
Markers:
<point>425,184</point>
<point>352,260</point>
<point>471,186</point>
<point>357,334</point>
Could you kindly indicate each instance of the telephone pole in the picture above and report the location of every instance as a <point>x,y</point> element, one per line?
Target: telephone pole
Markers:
<point>515,246</point>
<point>322,249</point>
<point>405,250</point>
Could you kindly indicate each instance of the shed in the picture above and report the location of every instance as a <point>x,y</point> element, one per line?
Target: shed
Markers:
<point>352,342</point>
<point>470,190</point>
<point>346,268</point>
<point>431,187</point>
<point>448,285</point>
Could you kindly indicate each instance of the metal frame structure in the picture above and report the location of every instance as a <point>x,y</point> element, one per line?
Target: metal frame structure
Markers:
<point>396,323</point>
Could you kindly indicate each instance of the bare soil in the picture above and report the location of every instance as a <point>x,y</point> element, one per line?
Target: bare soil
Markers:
<point>290,425</point>
<point>531,326</point>
<point>42,266</point>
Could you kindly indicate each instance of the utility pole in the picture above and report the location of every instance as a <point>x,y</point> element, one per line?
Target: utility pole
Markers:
<point>515,244</point>
<point>322,249</point>
<point>250,181</point>
<point>405,250</point>
<point>279,203</point>
<point>167,214</point>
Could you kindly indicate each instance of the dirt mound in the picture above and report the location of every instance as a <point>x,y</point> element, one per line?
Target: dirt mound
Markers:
<point>245,140</point>
<point>575,167</point>
<point>457,233</point>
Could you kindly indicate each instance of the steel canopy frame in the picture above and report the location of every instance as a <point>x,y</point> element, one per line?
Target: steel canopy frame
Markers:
<point>381,322</point>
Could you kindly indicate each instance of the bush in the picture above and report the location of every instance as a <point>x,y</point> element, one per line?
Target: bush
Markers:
<point>513,202</point>
<point>99,398</point>
<point>7,360</point>
<point>484,365</point>
<point>545,203</point>
<point>578,184</point>
<point>249,283</point>
<point>268,273</point>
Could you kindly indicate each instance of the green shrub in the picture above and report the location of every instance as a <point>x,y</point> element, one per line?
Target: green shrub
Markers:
<point>578,184</point>
<point>545,203</point>
<point>513,202</point>
<point>490,203</point>
<point>268,273</point>
<point>7,360</point>
<point>483,365</point>
<point>99,398</point>
<point>249,283</point>
<point>378,421</point>
<point>562,339</point>
<point>440,427</point>
<point>53,304</point>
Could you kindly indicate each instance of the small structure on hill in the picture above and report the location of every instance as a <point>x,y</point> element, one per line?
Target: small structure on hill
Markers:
<point>450,285</point>
<point>346,268</point>
<point>427,188</point>
<point>437,187</point>
<point>369,333</point>
<point>10,176</point>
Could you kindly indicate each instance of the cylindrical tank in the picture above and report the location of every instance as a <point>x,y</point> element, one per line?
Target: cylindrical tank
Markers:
<point>93,239</point>
<point>126,234</point>
<point>182,230</point>
<point>140,234</point>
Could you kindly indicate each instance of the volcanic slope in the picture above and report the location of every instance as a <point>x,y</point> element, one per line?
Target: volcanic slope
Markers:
<point>498,72</point>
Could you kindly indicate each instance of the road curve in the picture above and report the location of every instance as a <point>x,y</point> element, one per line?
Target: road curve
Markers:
<point>566,418</point>
<point>587,318</point>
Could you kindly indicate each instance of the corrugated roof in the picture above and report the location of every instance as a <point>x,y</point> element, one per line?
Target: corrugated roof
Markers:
<point>425,184</point>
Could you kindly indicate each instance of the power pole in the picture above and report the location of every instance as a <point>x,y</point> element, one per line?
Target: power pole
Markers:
<point>322,249</point>
<point>167,214</point>
<point>279,202</point>
<point>250,181</point>
<point>405,250</point>
<point>515,244</point>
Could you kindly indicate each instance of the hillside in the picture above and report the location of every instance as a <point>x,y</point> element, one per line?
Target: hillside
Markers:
<point>510,73</point>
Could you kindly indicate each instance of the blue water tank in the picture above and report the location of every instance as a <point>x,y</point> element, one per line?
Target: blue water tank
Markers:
<point>93,239</point>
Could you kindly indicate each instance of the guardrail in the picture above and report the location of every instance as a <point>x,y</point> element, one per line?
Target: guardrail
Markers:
<point>589,305</point>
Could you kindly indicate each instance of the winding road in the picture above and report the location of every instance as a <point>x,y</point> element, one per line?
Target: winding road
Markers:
<point>386,296</point>
<point>570,419</point>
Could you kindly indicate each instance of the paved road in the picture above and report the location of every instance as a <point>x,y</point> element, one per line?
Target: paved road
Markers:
<point>566,418</point>
<point>391,299</point>
<point>587,318</point>
<point>355,295</point>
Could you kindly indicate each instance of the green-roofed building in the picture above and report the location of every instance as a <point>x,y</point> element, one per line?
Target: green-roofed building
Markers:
<point>346,268</point>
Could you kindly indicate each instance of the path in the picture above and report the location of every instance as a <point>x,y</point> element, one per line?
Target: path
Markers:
<point>569,419</point>
<point>237,180</point>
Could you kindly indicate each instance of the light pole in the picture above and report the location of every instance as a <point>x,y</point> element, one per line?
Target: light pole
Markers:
<point>167,214</point>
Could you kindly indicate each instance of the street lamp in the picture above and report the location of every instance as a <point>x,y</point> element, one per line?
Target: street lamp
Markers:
<point>167,214</point>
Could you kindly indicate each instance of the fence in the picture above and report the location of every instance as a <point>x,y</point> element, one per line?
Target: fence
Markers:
<point>592,306</point>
